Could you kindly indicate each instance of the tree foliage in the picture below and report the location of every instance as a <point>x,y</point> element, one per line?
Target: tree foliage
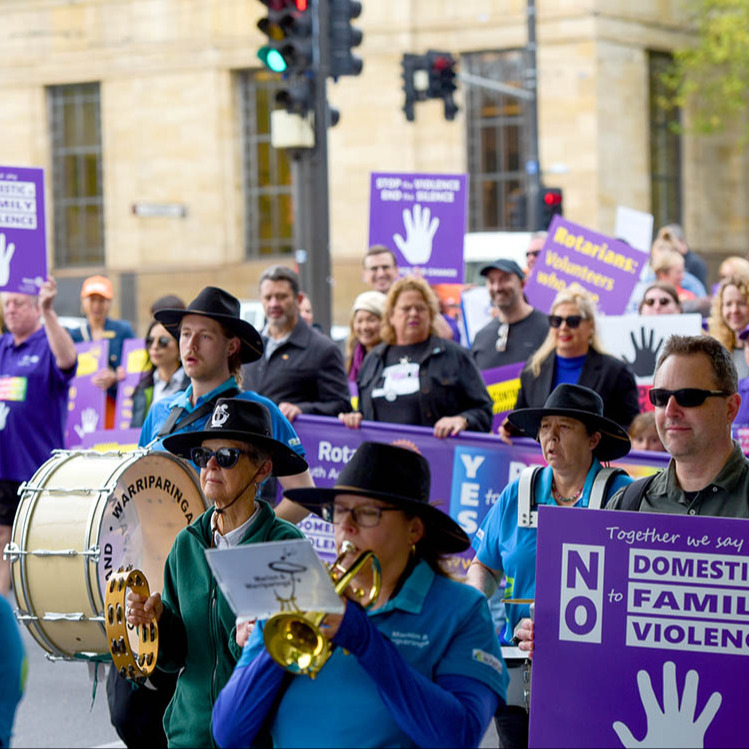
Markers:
<point>712,77</point>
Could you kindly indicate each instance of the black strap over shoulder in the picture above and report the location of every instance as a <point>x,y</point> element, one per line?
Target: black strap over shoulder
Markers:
<point>634,492</point>
<point>170,423</point>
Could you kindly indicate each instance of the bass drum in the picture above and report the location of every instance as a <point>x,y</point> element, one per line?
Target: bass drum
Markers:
<point>82,516</point>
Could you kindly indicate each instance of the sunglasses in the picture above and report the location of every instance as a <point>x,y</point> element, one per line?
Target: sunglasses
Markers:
<point>661,301</point>
<point>685,397</point>
<point>502,333</point>
<point>226,457</point>
<point>162,341</point>
<point>533,253</point>
<point>573,321</point>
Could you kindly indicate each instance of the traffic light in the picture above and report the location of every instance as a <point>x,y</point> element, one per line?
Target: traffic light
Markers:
<point>551,204</point>
<point>415,82</point>
<point>441,69</point>
<point>288,26</point>
<point>344,37</point>
<point>297,95</point>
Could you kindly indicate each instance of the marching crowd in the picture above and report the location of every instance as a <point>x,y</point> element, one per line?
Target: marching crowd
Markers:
<point>424,658</point>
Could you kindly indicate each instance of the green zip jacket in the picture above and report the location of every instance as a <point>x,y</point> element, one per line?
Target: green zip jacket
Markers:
<point>196,629</point>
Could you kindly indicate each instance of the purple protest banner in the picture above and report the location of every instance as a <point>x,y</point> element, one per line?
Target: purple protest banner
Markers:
<point>422,218</point>
<point>135,361</point>
<point>644,620</point>
<point>86,401</point>
<point>23,240</point>
<point>104,440</point>
<point>607,268</point>
<point>503,384</point>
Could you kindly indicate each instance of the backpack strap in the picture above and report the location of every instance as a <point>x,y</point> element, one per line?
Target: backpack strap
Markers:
<point>527,514</point>
<point>170,424</point>
<point>634,492</point>
<point>601,484</point>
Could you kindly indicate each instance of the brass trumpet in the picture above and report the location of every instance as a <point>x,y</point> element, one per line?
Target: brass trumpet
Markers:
<point>293,638</point>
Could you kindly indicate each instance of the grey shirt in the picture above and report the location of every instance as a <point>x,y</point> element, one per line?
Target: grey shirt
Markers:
<point>727,495</point>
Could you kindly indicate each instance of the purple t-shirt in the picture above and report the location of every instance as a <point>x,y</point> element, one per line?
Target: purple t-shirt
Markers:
<point>33,405</point>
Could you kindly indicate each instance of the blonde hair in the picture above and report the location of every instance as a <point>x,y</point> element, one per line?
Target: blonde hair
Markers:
<point>573,294</point>
<point>665,260</point>
<point>408,283</point>
<point>716,325</point>
<point>735,266</point>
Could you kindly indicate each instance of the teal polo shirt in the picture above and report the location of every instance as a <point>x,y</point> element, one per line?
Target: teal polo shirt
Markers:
<point>440,626</point>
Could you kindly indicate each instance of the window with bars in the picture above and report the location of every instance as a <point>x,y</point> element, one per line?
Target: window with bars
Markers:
<point>77,186</point>
<point>269,208</point>
<point>497,127</point>
<point>665,148</point>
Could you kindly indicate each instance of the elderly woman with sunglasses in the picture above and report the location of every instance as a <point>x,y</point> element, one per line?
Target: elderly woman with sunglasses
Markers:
<point>576,438</point>
<point>197,636</point>
<point>423,665</point>
<point>572,353</point>
<point>164,377</point>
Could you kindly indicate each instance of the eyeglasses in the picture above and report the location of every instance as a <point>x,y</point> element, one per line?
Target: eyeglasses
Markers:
<point>226,457</point>
<point>162,341</point>
<point>685,397</point>
<point>367,516</point>
<point>502,333</point>
<point>573,321</point>
<point>661,301</point>
<point>533,253</point>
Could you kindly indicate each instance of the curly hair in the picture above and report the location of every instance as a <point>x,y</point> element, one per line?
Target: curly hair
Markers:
<point>717,327</point>
<point>408,283</point>
<point>573,294</point>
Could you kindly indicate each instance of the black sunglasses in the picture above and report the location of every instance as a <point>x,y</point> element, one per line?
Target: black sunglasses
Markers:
<point>685,397</point>
<point>226,457</point>
<point>162,340</point>
<point>661,301</point>
<point>573,321</point>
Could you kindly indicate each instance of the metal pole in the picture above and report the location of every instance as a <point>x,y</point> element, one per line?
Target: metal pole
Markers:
<point>532,170</point>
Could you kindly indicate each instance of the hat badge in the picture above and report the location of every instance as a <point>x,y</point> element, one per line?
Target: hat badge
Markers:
<point>220,415</point>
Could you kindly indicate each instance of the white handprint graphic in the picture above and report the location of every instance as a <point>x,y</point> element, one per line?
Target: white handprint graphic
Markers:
<point>420,231</point>
<point>675,725</point>
<point>4,411</point>
<point>6,253</point>
<point>89,420</point>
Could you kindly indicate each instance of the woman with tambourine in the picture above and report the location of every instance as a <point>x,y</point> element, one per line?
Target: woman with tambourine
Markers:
<point>421,667</point>
<point>235,454</point>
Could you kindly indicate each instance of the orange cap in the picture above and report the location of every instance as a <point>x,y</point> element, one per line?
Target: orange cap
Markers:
<point>100,285</point>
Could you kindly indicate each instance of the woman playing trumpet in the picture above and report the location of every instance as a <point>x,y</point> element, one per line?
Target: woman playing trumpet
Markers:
<point>424,659</point>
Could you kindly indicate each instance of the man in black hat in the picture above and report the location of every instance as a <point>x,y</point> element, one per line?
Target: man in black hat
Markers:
<point>214,342</point>
<point>518,329</point>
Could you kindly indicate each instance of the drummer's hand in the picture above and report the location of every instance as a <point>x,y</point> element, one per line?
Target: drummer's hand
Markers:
<point>244,630</point>
<point>524,633</point>
<point>141,610</point>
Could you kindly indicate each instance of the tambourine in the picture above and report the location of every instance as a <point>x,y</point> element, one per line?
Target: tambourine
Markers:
<point>137,667</point>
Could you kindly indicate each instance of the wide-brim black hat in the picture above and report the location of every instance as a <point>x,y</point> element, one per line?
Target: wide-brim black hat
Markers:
<point>579,403</point>
<point>244,421</point>
<point>221,306</point>
<point>396,475</point>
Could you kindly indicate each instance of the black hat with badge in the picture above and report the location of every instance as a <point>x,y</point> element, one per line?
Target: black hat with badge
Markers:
<point>221,306</point>
<point>244,421</point>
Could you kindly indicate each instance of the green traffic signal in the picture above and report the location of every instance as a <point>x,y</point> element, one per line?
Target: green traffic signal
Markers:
<point>272,59</point>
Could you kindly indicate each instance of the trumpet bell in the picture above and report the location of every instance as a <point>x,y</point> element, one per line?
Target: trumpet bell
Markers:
<point>295,643</point>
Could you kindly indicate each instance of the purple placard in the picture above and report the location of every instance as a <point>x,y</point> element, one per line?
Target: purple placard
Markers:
<point>135,362</point>
<point>606,267</point>
<point>422,218</point>
<point>468,472</point>
<point>86,401</point>
<point>23,240</point>
<point>503,384</point>
<point>634,609</point>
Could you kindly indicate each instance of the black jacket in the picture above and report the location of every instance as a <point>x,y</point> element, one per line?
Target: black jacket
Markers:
<point>306,370</point>
<point>608,376</point>
<point>449,382</point>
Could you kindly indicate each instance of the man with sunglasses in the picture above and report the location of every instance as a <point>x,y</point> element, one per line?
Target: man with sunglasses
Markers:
<point>518,329</point>
<point>696,401</point>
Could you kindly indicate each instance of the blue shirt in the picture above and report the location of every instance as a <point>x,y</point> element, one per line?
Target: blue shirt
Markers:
<point>33,405</point>
<point>441,628</point>
<point>568,369</point>
<point>157,415</point>
<point>115,331</point>
<point>12,668</point>
<point>503,546</point>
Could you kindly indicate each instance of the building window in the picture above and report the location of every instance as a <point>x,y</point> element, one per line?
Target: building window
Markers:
<point>497,126</point>
<point>269,208</point>
<point>77,189</point>
<point>665,148</point>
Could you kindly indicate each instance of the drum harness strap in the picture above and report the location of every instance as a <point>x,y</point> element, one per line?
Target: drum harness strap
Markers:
<point>171,421</point>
